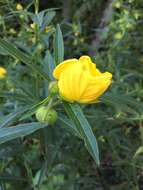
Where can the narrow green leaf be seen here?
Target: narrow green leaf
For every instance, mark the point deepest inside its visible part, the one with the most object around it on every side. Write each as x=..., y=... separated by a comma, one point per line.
x=49, y=64
x=48, y=18
x=6, y=178
x=138, y=152
x=121, y=102
x=16, y=53
x=58, y=46
x=76, y=115
x=7, y=120
x=21, y=130
x=33, y=108
x=70, y=126
x=42, y=174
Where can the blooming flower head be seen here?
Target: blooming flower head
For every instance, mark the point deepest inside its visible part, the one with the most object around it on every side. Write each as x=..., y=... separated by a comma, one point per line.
x=2, y=72
x=79, y=80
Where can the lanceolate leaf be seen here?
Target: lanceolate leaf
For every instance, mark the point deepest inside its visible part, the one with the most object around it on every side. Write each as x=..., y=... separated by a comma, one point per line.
x=49, y=64
x=21, y=130
x=76, y=115
x=58, y=46
x=122, y=102
x=16, y=53
x=7, y=120
x=70, y=126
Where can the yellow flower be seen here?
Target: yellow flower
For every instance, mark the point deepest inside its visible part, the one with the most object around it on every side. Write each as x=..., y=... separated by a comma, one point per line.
x=80, y=80
x=19, y=7
x=2, y=72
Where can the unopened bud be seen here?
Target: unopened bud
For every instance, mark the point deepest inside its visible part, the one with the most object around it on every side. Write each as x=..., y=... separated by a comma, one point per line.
x=118, y=35
x=53, y=87
x=45, y=115
x=33, y=25
x=40, y=47
x=117, y=5
x=22, y=16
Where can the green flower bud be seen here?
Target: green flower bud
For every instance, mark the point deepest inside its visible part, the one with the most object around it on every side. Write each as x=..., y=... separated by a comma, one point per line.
x=117, y=5
x=118, y=35
x=47, y=116
x=40, y=47
x=53, y=88
x=21, y=16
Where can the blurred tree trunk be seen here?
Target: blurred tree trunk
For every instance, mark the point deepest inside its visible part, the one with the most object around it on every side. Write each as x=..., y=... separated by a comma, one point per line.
x=67, y=9
x=106, y=17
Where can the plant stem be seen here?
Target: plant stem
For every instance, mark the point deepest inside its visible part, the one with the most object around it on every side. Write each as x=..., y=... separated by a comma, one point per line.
x=36, y=6
x=50, y=103
x=102, y=180
x=141, y=132
x=37, y=38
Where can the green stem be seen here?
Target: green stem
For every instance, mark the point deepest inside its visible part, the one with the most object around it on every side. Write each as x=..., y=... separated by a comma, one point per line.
x=37, y=39
x=102, y=180
x=141, y=132
x=50, y=103
x=36, y=6
x=135, y=176
x=56, y=103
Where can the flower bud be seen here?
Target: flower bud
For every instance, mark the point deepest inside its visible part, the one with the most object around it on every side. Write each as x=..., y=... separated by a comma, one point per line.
x=45, y=115
x=12, y=31
x=22, y=16
x=19, y=7
x=53, y=88
x=118, y=35
x=117, y=5
x=33, y=25
x=40, y=47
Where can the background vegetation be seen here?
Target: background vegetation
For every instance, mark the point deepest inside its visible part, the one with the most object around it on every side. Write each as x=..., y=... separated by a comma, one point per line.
x=53, y=158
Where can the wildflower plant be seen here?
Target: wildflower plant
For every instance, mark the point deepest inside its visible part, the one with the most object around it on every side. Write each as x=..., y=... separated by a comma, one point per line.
x=44, y=110
x=68, y=119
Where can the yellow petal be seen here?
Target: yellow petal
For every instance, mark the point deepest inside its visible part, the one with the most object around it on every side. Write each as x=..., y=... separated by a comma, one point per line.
x=85, y=59
x=96, y=87
x=63, y=88
x=87, y=64
x=62, y=66
x=73, y=81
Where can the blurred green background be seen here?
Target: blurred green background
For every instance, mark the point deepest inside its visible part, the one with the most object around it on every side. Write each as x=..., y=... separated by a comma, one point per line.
x=111, y=32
